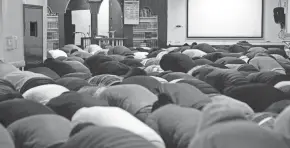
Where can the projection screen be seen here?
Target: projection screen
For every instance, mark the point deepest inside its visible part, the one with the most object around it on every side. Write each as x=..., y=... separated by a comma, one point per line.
x=224, y=18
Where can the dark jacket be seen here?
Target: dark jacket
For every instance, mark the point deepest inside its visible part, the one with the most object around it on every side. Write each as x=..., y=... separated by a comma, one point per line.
x=176, y=125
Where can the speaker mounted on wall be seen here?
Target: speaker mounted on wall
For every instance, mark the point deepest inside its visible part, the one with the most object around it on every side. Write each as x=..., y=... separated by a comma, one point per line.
x=279, y=16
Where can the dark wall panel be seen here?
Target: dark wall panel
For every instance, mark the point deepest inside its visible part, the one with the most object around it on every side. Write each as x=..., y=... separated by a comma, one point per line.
x=158, y=7
x=61, y=29
x=116, y=18
x=69, y=35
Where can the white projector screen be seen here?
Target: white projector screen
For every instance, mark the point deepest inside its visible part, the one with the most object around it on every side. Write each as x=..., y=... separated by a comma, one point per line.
x=225, y=18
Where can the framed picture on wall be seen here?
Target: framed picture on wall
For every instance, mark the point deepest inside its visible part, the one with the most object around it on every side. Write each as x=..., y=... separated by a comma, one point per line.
x=131, y=12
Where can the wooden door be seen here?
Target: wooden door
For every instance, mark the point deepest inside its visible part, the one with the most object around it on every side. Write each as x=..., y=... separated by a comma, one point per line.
x=33, y=34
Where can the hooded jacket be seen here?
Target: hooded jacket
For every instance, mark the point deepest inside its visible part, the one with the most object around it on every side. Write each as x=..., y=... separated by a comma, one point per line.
x=258, y=96
x=95, y=137
x=43, y=94
x=229, y=60
x=5, y=138
x=282, y=124
x=145, y=81
x=82, y=54
x=225, y=100
x=113, y=68
x=216, y=131
x=151, y=61
x=120, y=50
x=284, y=62
x=221, y=79
x=45, y=71
x=192, y=53
x=68, y=103
x=119, y=118
x=58, y=66
x=117, y=57
x=81, y=75
x=57, y=53
x=176, y=75
x=94, y=61
x=69, y=47
x=78, y=66
x=176, y=62
x=213, y=56
x=185, y=95
x=251, y=53
x=201, y=85
x=202, y=61
x=236, y=49
x=278, y=106
x=266, y=63
x=132, y=63
x=40, y=131
x=19, y=78
x=267, y=77
x=73, y=58
x=204, y=47
x=6, y=68
x=25, y=108
x=130, y=97
x=105, y=80
x=161, y=80
x=7, y=91
x=176, y=125
x=71, y=83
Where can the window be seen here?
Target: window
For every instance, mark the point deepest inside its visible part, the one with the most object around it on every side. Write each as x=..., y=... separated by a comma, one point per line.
x=33, y=29
x=225, y=19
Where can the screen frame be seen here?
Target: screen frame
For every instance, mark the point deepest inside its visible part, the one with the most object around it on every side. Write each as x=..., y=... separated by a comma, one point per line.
x=227, y=37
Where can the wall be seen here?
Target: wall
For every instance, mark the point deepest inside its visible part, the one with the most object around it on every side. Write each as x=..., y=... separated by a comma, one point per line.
x=42, y=3
x=11, y=22
x=12, y=25
x=1, y=32
x=177, y=16
x=116, y=18
x=103, y=21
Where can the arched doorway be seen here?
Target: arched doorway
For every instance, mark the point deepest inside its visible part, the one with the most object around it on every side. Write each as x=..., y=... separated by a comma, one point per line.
x=81, y=19
x=65, y=7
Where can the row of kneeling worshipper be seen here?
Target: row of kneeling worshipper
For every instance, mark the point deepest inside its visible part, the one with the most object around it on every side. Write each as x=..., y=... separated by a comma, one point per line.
x=186, y=97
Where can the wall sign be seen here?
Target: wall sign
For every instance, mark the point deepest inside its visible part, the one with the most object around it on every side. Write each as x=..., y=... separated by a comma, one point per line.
x=131, y=12
x=11, y=43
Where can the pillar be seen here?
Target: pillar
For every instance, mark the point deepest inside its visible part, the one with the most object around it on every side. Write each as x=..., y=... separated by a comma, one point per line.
x=61, y=29
x=94, y=8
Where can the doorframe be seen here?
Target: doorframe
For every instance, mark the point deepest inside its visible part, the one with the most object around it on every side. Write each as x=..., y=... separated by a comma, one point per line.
x=1, y=31
x=24, y=25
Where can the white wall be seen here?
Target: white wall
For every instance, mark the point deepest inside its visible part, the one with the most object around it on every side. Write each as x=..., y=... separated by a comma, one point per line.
x=12, y=25
x=177, y=16
x=103, y=23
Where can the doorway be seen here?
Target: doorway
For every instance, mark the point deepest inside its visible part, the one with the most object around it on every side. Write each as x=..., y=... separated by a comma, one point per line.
x=33, y=35
x=1, y=32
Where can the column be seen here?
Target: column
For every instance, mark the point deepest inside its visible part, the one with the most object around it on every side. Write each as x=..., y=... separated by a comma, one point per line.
x=94, y=8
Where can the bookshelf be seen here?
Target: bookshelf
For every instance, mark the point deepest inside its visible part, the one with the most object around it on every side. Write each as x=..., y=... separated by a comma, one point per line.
x=146, y=33
x=52, y=31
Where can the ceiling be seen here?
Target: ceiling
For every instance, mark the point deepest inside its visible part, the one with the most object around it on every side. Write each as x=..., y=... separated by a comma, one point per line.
x=78, y=5
x=61, y=5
